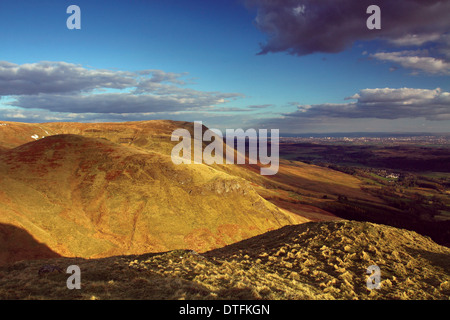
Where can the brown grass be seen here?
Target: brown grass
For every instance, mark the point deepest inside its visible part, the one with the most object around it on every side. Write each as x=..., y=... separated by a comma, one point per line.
x=308, y=261
x=91, y=197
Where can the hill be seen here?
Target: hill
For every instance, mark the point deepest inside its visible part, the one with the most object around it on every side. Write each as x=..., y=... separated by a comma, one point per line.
x=90, y=197
x=102, y=189
x=314, y=260
x=294, y=180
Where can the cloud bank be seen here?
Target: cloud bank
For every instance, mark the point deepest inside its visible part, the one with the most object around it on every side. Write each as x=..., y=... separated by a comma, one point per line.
x=60, y=91
x=58, y=77
x=384, y=103
x=66, y=87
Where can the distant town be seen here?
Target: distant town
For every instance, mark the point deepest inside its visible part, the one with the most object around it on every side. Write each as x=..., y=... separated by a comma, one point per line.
x=438, y=139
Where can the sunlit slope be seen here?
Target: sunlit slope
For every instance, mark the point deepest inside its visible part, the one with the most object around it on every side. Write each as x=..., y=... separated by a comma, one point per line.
x=155, y=135
x=145, y=134
x=14, y=134
x=91, y=197
x=293, y=181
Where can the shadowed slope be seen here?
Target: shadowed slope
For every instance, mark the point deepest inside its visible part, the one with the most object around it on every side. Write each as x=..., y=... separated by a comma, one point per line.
x=16, y=244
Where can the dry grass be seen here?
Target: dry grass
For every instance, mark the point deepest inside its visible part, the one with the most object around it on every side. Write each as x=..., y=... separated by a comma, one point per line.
x=335, y=255
x=309, y=261
x=90, y=197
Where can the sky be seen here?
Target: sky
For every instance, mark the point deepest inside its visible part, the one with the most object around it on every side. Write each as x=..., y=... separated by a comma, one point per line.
x=300, y=66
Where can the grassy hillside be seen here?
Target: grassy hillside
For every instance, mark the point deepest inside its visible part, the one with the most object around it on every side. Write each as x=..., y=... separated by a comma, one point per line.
x=91, y=197
x=98, y=189
x=325, y=260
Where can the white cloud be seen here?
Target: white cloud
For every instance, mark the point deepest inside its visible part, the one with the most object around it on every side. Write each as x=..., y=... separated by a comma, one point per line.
x=65, y=87
x=58, y=77
x=384, y=103
x=411, y=60
x=415, y=39
x=299, y=10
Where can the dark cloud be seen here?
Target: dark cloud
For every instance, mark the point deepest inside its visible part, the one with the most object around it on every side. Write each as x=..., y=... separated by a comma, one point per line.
x=302, y=27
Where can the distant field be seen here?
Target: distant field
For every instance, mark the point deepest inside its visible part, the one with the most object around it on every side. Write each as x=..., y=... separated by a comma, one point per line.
x=409, y=181
x=417, y=158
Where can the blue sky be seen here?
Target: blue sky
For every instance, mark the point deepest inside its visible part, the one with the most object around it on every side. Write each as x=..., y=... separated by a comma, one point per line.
x=198, y=60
